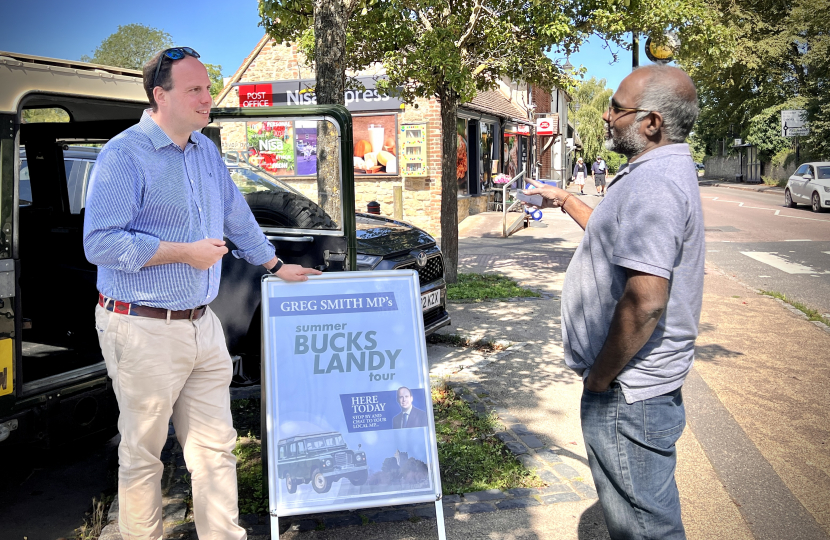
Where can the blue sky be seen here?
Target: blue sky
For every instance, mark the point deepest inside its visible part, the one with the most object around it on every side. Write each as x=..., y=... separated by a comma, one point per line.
x=223, y=32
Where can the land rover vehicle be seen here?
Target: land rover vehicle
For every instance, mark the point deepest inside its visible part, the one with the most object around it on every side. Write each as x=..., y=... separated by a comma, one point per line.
x=53, y=382
x=320, y=459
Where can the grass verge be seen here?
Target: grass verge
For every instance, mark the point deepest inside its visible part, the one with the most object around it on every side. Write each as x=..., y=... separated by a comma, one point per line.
x=811, y=314
x=471, y=457
x=94, y=519
x=480, y=287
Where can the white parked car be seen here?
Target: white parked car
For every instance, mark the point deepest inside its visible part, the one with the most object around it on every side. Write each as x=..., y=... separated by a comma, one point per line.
x=810, y=184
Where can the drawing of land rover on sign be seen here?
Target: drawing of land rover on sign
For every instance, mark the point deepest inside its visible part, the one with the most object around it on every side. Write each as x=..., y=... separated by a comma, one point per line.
x=321, y=459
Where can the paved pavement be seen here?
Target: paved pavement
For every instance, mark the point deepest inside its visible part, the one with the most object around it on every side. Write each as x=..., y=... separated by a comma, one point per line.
x=754, y=461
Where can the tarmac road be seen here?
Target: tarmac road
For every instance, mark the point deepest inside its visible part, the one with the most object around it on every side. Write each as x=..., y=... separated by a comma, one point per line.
x=44, y=495
x=753, y=237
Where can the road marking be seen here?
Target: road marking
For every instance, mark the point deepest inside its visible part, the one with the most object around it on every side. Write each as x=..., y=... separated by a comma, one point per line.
x=718, y=251
x=827, y=252
x=779, y=263
x=764, y=276
x=799, y=240
x=777, y=212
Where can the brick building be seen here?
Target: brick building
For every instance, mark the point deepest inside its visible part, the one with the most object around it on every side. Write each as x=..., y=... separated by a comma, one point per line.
x=495, y=133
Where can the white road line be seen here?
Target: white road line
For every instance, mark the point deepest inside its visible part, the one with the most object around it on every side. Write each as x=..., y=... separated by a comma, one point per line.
x=777, y=212
x=779, y=263
x=799, y=240
x=827, y=252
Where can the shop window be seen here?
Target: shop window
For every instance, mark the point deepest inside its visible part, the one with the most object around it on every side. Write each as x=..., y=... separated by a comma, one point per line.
x=271, y=147
x=462, y=164
x=487, y=157
x=375, y=144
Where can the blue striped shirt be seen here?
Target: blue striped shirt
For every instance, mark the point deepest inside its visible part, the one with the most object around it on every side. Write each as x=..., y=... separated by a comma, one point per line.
x=145, y=189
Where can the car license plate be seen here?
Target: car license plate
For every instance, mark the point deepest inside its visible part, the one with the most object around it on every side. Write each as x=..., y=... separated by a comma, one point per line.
x=430, y=299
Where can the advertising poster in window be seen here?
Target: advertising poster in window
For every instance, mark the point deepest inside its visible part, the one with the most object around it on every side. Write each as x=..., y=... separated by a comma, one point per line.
x=462, y=163
x=375, y=144
x=271, y=146
x=348, y=401
x=305, y=133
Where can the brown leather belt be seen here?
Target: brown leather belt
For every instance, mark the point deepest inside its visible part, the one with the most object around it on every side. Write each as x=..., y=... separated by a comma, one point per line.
x=116, y=306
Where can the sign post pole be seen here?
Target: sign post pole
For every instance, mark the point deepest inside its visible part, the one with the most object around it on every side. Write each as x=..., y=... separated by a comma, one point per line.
x=439, y=516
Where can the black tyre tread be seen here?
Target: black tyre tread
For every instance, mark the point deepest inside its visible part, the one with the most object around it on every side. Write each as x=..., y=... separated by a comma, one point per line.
x=282, y=208
x=816, y=198
x=792, y=203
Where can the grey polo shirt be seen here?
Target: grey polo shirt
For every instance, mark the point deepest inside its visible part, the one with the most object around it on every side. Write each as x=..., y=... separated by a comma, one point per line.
x=650, y=221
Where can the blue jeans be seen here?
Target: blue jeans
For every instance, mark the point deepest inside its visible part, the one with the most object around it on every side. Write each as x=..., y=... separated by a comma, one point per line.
x=632, y=457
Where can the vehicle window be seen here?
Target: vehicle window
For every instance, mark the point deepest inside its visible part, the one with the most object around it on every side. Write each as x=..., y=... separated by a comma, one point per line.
x=282, y=452
x=274, y=164
x=316, y=444
x=823, y=172
x=77, y=176
x=292, y=450
x=329, y=441
x=338, y=440
x=25, y=191
x=47, y=115
x=801, y=170
x=812, y=171
x=301, y=447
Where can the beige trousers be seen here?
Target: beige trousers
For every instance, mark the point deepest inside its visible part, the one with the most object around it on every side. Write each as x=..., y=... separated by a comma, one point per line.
x=180, y=369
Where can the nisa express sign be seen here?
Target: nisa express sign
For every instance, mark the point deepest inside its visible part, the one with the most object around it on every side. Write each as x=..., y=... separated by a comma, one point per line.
x=301, y=92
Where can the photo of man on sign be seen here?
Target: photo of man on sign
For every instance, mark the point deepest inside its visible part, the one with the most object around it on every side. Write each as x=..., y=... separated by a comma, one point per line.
x=409, y=417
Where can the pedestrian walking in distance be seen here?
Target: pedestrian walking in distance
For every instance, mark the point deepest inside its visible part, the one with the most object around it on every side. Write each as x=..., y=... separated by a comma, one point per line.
x=631, y=302
x=159, y=201
x=598, y=169
x=579, y=175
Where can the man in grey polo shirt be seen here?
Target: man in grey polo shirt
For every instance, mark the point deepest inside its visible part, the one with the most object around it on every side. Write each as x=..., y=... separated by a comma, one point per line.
x=631, y=302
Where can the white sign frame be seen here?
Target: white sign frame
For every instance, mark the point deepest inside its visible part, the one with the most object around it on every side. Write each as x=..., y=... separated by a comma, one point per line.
x=794, y=123
x=346, y=283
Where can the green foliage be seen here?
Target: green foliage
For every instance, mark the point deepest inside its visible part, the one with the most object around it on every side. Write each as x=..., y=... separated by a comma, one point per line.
x=40, y=116
x=765, y=131
x=471, y=457
x=812, y=314
x=480, y=287
x=593, y=99
x=778, y=59
x=252, y=498
x=216, y=81
x=130, y=47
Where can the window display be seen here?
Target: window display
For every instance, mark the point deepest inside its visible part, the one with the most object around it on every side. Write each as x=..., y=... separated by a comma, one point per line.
x=375, y=144
x=462, y=164
x=487, y=156
x=270, y=148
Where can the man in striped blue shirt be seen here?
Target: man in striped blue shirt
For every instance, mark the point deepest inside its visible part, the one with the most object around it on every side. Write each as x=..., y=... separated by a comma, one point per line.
x=159, y=204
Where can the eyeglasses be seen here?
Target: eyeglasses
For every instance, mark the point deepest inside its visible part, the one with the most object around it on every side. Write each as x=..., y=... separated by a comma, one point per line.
x=173, y=53
x=626, y=110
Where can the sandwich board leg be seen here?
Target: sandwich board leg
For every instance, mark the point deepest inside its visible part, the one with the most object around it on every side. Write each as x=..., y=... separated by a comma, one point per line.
x=439, y=517
x=275, y=526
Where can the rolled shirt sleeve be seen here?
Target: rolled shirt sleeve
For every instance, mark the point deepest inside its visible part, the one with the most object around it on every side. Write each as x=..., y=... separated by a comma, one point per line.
x=240, y=225
x=114, y=198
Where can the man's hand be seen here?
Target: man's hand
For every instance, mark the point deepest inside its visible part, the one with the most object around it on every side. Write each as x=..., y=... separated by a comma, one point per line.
x=205, y=253
x=551, y=196
x=594, y=386
x=295, y=272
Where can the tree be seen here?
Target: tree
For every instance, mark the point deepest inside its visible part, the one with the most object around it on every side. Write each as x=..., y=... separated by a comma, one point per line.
x=593, y=99
x=451, y=50
x=319, y=25
x=133, y=45
x=130, y=47
x=778, y=60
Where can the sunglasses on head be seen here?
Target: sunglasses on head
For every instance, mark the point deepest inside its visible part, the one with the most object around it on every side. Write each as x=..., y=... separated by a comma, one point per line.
x=173, y=53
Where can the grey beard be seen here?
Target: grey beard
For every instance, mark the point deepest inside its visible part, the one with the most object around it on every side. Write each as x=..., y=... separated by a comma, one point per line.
x=627, y=142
